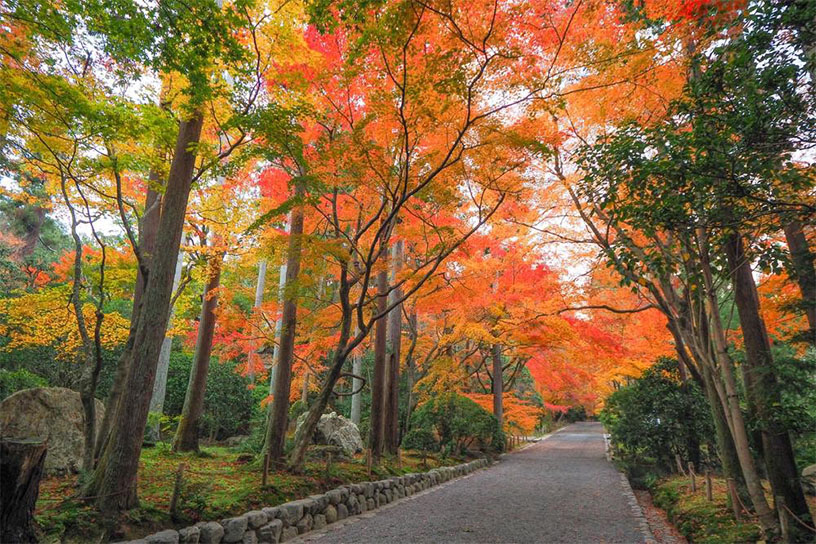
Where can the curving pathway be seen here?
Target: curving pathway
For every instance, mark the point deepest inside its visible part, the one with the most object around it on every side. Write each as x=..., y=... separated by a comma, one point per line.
x=561, y=489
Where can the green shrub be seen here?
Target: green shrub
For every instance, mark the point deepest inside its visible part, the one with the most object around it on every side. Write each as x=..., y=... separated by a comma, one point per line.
x=575, y=413
x=421, y=439
x=458, y=423
x=658, y=416
x=12, y=381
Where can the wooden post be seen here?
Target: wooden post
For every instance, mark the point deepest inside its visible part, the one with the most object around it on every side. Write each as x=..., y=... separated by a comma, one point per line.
x=735, y=500
x=709, y=491
x=177, y=490
x=21, y=467
x=693, y=477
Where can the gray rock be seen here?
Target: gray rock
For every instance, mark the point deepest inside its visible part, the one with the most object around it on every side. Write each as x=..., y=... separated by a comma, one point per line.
x=49, y=413
x=234, y=529
x=321, y=502
x=250, y=538
x=256, y=519
x=288, y=533
x=210, y=532
x=342, y=511
x=273, y=512
x=271, y=532
x=319, y=522
x=305, y=524
x=335, y=496
x=370, y=504
x=331, y=514
x=291, y=512
x=189, y=535
x=163, y=537
x=236, y=440
x=809, y=479
x=335, y=430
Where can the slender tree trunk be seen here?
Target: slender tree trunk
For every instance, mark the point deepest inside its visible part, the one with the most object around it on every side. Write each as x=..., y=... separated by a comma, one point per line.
x=304, y=389
x=392, y=435
x=729, y=396
x=761, y=384
x=803, y=272
x=378, y=387
x=279, y=416
x=279, y=320
x=187, y=432
x=113, y=482
x=498, y=384
x=260, y=285
x=357, y=386
x=411, y=366
x=160, y=385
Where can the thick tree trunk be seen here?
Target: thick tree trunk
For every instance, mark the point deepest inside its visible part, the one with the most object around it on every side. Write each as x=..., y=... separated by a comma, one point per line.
x=148, y=230
x=392, y=435
x=187, y=432
x=113, y=482
x=279, y=415
x=378, y=387
x=21, y=467
x=160, y=385
x=498, y=384
x=761, y=385
x=803, y=272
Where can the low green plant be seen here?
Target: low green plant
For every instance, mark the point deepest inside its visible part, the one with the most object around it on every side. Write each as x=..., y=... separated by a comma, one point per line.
x=458, y=423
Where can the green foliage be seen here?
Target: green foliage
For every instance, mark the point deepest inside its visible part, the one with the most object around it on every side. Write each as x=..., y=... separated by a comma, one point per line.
x=17, y=380
x=228, y=402
x=658, y=416
x=421, y=439
x=575, y=413
x=459, y=423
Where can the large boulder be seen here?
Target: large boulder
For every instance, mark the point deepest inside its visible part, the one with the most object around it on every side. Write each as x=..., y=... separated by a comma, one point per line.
x=335, y=430
x=53, y=414
x=809, y=479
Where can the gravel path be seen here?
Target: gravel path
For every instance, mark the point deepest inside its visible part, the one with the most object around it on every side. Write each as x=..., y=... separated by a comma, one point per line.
x=561, y=489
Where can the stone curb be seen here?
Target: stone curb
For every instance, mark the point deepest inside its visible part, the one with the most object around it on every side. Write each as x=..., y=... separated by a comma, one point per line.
x=287, y=521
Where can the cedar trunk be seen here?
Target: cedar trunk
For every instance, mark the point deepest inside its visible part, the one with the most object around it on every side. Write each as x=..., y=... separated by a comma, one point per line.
x=498, y=384
x=113, y=482
x=279, y=415
x=378, y=387
x=187, y=433
x=392, y=427
x=761, y=384
x=21, y=467
x=804, y=272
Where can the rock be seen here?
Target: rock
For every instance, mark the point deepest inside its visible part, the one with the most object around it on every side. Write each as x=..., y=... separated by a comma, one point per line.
x=189, y=535
x=370, y=504
x=273, y=512
x=320, y=503
x=335, y=496
x=319, y=522
x=342, y=511
x=271, y=532
x=291, y=512
x=236, y=440
x=288, y=534
x=331, y=514
x=234, y=528
x=305, y=524
x=163, y=537
x=53, y=414
x=808, y=479
x=256, y=519
x=250, y=538
x=336, y=430
x=211, y=532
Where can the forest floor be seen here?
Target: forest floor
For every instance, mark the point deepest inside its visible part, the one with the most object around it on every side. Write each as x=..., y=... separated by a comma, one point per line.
x=218, y=482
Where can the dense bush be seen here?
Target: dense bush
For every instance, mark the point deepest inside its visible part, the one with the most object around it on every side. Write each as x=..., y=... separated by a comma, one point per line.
x=458, y=423
x=16, y=380
x=658, y=416
x=228, y=402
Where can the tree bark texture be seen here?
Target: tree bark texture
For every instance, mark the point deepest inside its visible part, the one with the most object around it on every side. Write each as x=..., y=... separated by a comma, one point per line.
x=392, y=426
x=804, y=272
x=21, y=467
x=380, y=369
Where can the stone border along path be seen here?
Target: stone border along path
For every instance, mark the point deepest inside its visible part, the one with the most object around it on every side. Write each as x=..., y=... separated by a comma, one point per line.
x=289, y=520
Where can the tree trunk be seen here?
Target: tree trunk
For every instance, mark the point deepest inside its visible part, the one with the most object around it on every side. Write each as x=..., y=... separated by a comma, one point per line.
x=279, y=320
x=411, y=366
x=279, y=415
x=498, y=384
x=187, y=432
x=21, y=467
x=253, y=360
x=160, y=385
x=377, y=432
x=803, y=272
x=357, y=386
x=761, y=385
x=148, y=231
x=113, y=482
x=392, y=436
